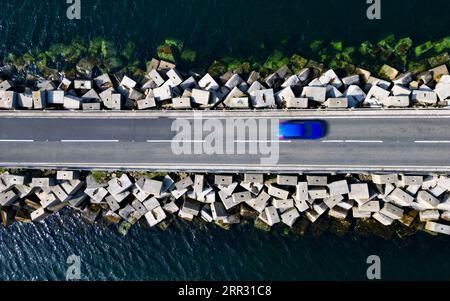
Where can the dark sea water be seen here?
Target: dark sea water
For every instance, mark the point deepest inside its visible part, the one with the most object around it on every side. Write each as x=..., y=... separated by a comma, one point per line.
x=184, y=252
x=217, y=29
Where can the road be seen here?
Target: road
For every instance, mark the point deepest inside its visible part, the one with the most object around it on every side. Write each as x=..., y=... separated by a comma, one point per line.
x=356, y=142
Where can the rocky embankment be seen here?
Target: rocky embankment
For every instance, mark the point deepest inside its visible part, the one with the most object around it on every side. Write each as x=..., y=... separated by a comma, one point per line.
x=380, y=204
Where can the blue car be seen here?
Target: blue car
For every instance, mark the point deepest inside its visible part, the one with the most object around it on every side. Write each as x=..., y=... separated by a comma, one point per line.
x=302, y=130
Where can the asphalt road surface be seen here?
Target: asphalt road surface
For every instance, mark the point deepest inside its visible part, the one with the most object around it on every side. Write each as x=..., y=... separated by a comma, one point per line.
x=354, y=143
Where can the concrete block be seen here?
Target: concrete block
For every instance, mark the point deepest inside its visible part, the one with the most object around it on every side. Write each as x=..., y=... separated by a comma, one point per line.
x=283, y=205
x=72, y=102
x=360, y=214
x=272, y=215
x=291, y=81
x=383, y=219
x=302, y=191
x=424, y=97
x=316, y=193
x=260, y=202
x=317, y=94
x=355, y=96
x=55, y=97
x=411, y=180
x=39, y=215
x=278, y=192
x=112, y=203
x=263, y=98
x=297, y=103
x=241, y=197
x=128, y=82
x=401, y=198
x=284, y=95
x=218, y=211
x=200, y=97
x=429, y=215
x=96, y=194
x=289, y=217
x=397, y=101
x=82, y=84
x=392, y=211
x=351, y=80
x=8, y=198
x=376, y=96
x=337, y=103
x=162, y=93
x=155, y=216
x=254, y=178
x=427, y=200
x=39, y=99
x=287, y=180
x=370, y=206
x=438, y=228
x=333, y=201
x=172, y=208
x=383, y=179
x=239, y=103
x=181, y=103
x=151, y=204
x=234, y=81
x=359, y=191
x=208, y=83
x=331, y=78
x=147, y=103
x=338, y=213
x=24, y=101
x=154, y=187
x=338, y=188
x=8, y=99
x=192, y=207
x=317, y=180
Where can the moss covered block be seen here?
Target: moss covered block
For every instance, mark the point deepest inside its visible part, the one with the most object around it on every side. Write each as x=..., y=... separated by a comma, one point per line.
x=423, y=48
x=438, y=60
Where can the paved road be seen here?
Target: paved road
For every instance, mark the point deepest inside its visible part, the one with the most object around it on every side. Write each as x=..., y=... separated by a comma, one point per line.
x=355, y=142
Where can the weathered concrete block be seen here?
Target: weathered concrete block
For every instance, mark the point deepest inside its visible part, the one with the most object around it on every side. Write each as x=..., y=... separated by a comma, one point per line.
x=317, y=180
x=181, y=103
x=429, y=215
x=260, y=202
x=289, y=217
x=359, y=191
x=337, y=103
x=317, y=94
x=39, y=215
x=263, y=98
x=272, y=215
x=297, y=103
x=338, y=188
x=438, y=228
x=287, y=180
x=278, y=192
x=392, y=211
x=427, y=200
x=383, y=219
x=200, y=97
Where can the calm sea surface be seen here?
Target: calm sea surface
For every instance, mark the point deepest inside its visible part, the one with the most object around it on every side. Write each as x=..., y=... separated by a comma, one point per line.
x=216, y=29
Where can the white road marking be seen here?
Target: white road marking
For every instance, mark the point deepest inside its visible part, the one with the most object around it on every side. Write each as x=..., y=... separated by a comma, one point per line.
x=25, y=141
x=433, y=142
x=353, y=141
x=89, y=141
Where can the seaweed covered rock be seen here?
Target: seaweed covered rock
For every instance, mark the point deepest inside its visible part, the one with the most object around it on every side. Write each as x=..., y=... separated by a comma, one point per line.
x=297, y=63
x=423, y=48
x=170, y=50
x=217, y=69
x=260, y=225
x=438, y=60
x=301, y=226
x=367, y=227
x=189, y=55
x=340, y=227
x=276, y=61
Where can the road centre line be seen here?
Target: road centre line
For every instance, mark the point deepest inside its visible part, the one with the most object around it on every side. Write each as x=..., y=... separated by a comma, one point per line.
x=432, y=142
x=89, y=141
x=24, y=141
x=353, y=141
